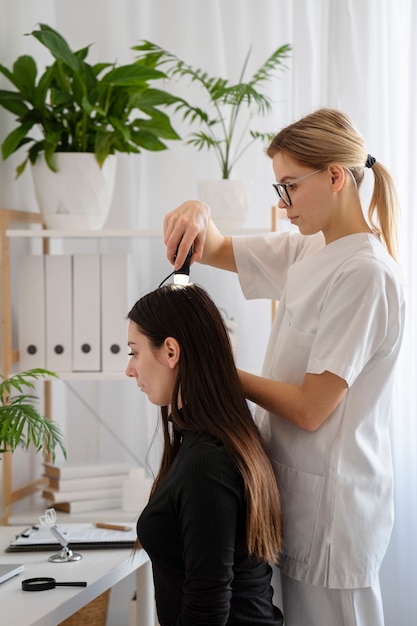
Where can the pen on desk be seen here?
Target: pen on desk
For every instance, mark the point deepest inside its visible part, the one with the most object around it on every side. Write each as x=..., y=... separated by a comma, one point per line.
x=27, y=532
x=113, y=526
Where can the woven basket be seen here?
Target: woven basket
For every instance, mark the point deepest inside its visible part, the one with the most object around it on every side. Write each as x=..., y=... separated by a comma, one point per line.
x=93, y=614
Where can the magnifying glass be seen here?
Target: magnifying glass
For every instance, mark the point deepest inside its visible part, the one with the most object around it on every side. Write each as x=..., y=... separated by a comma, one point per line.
x=43, y=583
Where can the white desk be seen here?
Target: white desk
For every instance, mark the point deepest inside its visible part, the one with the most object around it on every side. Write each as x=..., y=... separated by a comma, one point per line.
x=100, y=568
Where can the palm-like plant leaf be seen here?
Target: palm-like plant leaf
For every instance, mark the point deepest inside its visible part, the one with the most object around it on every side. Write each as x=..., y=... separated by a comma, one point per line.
x=225, y=102
x=21, y=424
x=271, y=64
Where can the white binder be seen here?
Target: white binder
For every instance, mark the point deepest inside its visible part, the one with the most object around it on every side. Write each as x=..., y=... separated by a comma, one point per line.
x=31, y=311
x=86, y=313
x=114, y=309
x=58, y=289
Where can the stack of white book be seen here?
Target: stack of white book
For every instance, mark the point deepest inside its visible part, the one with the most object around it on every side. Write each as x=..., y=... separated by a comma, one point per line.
x=76, y=488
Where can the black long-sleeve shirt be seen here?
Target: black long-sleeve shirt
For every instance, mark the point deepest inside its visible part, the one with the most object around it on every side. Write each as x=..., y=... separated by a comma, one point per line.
x=194, y=530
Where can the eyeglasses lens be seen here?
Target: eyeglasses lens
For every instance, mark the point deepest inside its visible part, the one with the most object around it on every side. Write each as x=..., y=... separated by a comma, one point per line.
x=282, y=193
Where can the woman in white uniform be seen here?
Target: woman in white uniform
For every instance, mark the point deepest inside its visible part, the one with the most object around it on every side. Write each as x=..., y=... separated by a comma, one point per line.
x=325, y=392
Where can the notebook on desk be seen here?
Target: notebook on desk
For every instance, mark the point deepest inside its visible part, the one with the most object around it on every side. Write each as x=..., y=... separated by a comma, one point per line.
x=7, y=570
x=83, y=536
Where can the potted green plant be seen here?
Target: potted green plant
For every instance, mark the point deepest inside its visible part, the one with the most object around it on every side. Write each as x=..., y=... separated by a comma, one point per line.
x=224, y=125
x=100, y=110
x=21, y=424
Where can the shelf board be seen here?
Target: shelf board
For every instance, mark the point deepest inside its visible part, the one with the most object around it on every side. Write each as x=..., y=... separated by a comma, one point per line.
x=108, y=234
x=90, y=376
x=81, y=234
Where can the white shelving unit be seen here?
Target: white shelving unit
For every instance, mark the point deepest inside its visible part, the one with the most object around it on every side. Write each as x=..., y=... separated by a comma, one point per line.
x=33, y=229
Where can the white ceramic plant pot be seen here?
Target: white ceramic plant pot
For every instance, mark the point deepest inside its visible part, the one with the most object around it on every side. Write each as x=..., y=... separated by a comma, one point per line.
x=228, y=200
x=78, y=196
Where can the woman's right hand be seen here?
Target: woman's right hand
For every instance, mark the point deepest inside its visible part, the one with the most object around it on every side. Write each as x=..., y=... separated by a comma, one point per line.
x=184, y=227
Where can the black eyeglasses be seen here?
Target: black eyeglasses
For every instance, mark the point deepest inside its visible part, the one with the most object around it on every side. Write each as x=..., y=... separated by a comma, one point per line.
x=282, y=188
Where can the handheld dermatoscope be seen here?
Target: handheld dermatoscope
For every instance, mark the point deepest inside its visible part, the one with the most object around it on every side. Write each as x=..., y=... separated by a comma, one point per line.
x=182, y=276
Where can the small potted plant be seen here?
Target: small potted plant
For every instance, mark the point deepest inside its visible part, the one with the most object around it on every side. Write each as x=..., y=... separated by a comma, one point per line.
x=21, y=424
x=224, y=125
x=96, y=110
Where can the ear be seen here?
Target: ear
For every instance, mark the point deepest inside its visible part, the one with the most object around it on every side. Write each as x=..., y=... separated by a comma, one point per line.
x=172, y=351
x=337, y=176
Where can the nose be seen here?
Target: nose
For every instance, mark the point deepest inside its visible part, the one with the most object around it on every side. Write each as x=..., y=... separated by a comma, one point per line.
x=129, y=371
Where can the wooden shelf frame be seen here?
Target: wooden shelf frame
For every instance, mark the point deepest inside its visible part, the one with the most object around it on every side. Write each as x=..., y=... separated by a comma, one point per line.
x=8, y=217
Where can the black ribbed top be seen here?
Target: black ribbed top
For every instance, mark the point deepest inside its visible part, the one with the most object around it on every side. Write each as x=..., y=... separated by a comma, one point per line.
x=194, y=530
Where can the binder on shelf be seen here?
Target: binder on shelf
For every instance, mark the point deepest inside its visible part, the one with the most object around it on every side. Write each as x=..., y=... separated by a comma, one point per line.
x=85, y=506
x=54, y=496
x=86, y=313
x=31, y=312
x=87, y=483
x=58, y=291
x=65, y=470
x=114, y=308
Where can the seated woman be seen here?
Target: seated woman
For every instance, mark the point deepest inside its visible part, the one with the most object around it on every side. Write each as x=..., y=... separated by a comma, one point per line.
x=212, y=524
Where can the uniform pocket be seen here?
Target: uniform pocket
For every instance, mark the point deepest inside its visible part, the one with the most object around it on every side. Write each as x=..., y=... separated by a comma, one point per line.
x=300, y=495
x=291, y=356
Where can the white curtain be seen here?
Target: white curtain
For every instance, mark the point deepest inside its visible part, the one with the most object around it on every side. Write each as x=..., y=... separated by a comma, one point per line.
x=357, y=55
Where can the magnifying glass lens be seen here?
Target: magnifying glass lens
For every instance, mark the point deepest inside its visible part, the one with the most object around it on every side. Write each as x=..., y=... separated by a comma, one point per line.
x=38, y=584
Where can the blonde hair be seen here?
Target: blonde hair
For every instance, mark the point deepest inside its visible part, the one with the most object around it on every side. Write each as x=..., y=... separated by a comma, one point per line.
x=328, y=136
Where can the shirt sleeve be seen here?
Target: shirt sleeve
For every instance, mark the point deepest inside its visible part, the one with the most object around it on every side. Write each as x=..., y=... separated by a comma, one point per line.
x=209, y=505
x=357, y=321
x=263, y=260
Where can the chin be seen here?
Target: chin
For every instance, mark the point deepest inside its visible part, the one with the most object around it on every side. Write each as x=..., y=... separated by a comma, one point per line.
x=158, y=402
x=308, y=231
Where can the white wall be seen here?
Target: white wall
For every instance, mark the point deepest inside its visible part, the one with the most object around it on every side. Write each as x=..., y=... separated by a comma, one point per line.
x=357, y=55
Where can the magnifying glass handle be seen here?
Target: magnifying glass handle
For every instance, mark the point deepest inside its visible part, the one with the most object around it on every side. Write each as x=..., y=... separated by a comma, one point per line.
x=69, y=584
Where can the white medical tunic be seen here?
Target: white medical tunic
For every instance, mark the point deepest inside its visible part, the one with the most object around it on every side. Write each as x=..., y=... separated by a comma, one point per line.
x=341, y=309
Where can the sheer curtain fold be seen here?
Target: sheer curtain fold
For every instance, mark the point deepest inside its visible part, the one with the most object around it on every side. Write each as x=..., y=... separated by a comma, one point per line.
x=355, y=55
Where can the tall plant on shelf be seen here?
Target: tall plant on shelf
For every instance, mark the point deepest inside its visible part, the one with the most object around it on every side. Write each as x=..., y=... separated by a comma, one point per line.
x=21, y=424
x=78, y=107
x=223, y=125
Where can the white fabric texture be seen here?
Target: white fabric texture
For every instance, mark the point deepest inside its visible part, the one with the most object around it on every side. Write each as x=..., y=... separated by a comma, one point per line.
x=346, y=607
x=355, y=55
x=331, y=515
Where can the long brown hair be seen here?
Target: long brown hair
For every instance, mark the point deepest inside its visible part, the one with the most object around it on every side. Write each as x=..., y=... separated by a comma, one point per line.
x=212, y=401
x=328, y=136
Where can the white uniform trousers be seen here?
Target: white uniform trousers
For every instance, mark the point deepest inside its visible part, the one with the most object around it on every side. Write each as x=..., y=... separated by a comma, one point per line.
x=309, y=605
